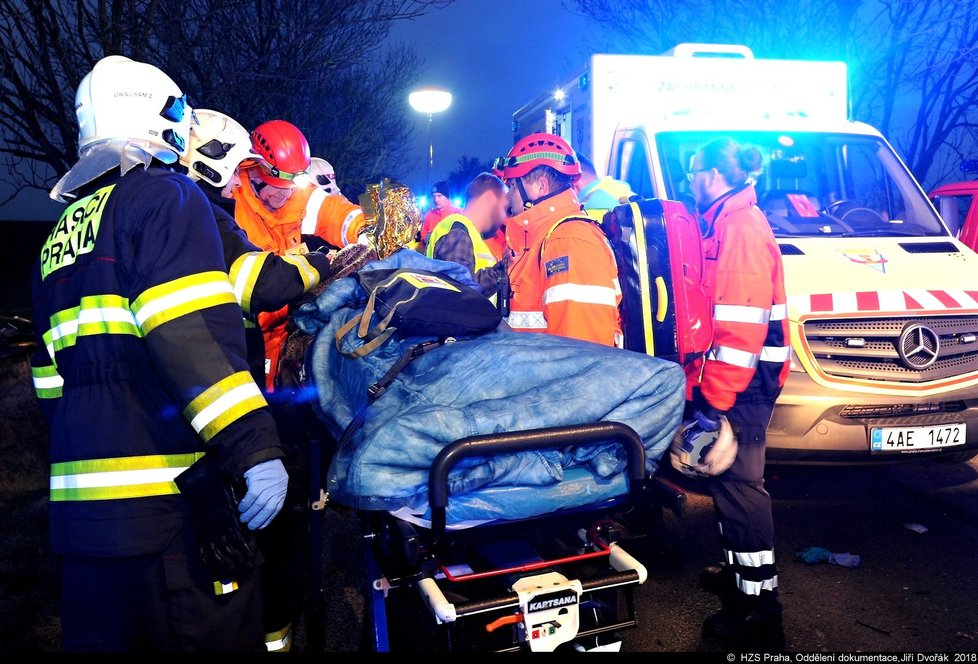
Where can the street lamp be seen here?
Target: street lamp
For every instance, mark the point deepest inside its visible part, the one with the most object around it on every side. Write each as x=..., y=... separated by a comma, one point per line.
x=430, y=100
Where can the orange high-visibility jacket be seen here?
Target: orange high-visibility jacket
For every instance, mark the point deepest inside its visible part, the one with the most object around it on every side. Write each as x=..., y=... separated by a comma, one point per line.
x=744, y=276
x=563, y=277
x=309, y=211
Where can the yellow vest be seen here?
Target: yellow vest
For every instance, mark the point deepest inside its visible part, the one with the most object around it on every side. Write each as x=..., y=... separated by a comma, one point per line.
x=483, y=254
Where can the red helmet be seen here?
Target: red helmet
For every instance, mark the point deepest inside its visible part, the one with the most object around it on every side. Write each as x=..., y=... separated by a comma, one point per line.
x=541, y=150
x=286, y=150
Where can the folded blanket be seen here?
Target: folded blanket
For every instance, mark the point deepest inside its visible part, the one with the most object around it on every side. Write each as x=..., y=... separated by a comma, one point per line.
x=503, y=381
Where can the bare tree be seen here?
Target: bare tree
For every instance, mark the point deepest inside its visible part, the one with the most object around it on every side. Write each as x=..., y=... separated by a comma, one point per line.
x=912, y=63
x=317, y=63
x=466, y=168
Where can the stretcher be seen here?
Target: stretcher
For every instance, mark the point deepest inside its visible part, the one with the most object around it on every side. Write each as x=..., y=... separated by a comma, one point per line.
x=559, y=581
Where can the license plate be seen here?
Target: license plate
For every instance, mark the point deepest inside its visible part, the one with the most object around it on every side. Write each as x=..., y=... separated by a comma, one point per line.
x=909, y=439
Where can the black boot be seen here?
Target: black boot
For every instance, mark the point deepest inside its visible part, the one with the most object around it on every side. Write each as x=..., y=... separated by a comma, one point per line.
x=718, y=579
x=748, y=620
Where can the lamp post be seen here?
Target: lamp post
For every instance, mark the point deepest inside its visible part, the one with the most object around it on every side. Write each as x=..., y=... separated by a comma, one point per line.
x=430, y=100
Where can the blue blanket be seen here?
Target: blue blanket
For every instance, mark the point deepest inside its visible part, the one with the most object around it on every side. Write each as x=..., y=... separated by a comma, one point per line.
x=503, y=381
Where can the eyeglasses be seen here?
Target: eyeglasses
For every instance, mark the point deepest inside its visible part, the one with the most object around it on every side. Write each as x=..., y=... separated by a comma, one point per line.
x=691, y=173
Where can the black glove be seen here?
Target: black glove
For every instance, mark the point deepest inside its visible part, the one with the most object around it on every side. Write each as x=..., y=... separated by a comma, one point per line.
x=227, y=547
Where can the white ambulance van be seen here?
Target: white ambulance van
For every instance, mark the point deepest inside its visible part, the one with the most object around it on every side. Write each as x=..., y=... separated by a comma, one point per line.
x=883, y=300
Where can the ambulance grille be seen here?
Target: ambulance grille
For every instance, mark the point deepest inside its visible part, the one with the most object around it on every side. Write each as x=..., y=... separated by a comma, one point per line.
x=862, y=412
x=868, y=348
x=929, y=248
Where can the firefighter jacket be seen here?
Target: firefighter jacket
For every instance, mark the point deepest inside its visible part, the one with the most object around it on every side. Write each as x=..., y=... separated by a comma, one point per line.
x=310, y=212
x=603, y=195
x=263, y=281
x=563, y=276
x=744, y=277
x=140, y=366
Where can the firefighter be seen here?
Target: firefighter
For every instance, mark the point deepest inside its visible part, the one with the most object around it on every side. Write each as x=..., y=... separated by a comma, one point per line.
x=563, y=275
x=282, y=210
x=741, y=376
x=263, y=281
x=325, y=176
x=459, y=237
x=598, y=195
x=140, y=370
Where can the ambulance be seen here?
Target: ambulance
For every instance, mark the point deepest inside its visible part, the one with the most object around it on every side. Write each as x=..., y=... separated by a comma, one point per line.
x=883, y=299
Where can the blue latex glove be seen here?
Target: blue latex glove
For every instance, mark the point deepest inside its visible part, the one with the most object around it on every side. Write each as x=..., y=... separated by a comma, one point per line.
x=708, y=418
x=814, y=554
x=844, y=559
x=267, y=483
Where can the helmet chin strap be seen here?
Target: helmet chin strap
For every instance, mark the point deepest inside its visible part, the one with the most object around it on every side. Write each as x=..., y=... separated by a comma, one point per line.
x=527, y=203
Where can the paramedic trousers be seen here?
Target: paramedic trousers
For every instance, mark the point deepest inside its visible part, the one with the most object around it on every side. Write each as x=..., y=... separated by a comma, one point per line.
x=743, y=509
x=162, y=602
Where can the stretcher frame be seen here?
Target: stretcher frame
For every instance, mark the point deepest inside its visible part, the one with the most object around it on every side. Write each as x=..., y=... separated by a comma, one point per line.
x=489, y=588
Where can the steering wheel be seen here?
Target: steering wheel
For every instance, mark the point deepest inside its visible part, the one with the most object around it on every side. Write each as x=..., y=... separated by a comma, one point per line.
x=860, y=210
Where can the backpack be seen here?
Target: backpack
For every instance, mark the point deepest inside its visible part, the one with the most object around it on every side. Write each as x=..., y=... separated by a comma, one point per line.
x=416, y=303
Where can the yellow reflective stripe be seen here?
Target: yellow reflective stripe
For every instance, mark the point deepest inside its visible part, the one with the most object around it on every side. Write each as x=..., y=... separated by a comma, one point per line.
x=47, y=382
x=223, y=403
x=223, y=588
x=279, y=641
x=310, y=276
x=244, y=274
x=119, y=477
x=95, y=314
x=166, y=302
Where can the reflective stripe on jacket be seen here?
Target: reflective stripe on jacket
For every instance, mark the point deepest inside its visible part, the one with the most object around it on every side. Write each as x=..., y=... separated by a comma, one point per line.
x=563, y=277
x=744, y=276
x=140, y=365
x=308, y=211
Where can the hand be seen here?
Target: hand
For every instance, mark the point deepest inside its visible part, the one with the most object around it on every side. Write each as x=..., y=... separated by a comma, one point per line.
x=267, y=483
x=708, y=418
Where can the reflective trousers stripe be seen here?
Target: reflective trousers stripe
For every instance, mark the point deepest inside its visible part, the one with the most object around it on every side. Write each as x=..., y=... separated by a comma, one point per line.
x=750, y=558
x=755, y=587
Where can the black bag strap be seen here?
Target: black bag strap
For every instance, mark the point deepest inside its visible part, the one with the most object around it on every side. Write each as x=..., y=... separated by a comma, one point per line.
x=377, y=390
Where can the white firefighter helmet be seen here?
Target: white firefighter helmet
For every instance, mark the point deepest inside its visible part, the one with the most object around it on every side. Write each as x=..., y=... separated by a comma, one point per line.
x=218, y=144
x=699, y=453
x=324, y=176
x=121, y=99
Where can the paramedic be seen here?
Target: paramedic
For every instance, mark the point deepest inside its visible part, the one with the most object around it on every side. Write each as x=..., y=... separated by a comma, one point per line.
x=563, y=276
x=599, y=195
x=262, y=280
x=277, y=203
x=741, y=377
x=140, y=370
x=441, y=207
x=459, y=237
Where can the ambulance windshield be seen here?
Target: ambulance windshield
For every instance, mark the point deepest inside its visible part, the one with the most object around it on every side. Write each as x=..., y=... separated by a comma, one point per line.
x=816, y=184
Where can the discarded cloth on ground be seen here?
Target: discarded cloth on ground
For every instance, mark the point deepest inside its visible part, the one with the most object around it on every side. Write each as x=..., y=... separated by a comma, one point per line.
x=503, y=381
